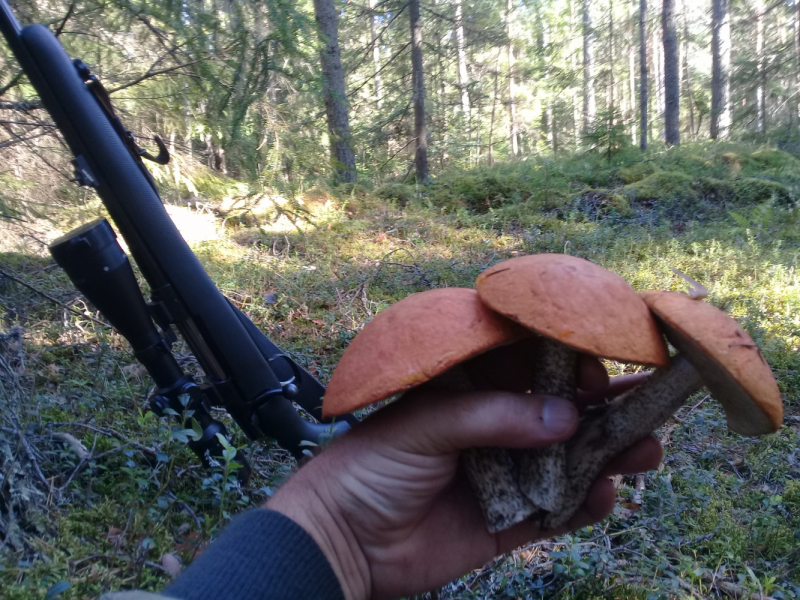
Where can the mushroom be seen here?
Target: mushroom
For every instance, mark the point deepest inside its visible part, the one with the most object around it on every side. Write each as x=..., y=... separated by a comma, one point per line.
x=426, y=338
x=575, y=306
x=713, y=351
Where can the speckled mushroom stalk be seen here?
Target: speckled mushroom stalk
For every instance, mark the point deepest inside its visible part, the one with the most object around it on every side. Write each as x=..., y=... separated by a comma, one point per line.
x=543, y=471
x=714, y=351
x=426, y=339
x=575, y=306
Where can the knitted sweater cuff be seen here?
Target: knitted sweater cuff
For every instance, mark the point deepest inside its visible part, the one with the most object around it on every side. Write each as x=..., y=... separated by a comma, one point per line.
x=262, y=555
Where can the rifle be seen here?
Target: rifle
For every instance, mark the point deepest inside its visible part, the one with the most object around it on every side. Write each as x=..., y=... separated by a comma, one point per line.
x=244, y=372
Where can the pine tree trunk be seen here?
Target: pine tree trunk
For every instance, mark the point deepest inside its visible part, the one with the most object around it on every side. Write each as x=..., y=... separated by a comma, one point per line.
x=761, y=97
x=442, y=93
x=643, y=73
x=631, y=114
x=687, y=74
x=513, y=144
x=611, y=106
x=658, y=82
x=376, y=55
x=420, y=130
x=672, y=92
x=786, y=81
x=494, y=107
x=334, y=91
x=589, y=102
x=573, y=58
x=461, y=51
x=796, y=35
x=720, y=70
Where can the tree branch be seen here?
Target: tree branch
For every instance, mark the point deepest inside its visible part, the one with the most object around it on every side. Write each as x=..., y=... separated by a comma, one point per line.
x=60, y=28
x=151, y=74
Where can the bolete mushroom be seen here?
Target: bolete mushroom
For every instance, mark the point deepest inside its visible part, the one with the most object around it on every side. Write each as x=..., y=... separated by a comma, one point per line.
x=713, y=351
x=426, y=338
x=575, y=306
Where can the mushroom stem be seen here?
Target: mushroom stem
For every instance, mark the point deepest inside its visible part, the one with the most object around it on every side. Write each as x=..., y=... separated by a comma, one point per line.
x=542, y=472
x=492, y=472
x=608, y=431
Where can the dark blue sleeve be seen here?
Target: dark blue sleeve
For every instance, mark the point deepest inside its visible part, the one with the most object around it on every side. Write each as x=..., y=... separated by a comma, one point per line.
x=262, y=555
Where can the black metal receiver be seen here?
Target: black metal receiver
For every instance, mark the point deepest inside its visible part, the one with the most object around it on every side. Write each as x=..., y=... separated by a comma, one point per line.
x=244, y=371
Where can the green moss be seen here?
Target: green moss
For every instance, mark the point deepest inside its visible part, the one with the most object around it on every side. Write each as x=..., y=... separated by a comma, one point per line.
x=774, y=159
x=551, y=197
x=401, y=193
x=774, y=540
x=662, y=185
x=791, y=495
x=750, y=190
x=636, y=172
x=714, y=189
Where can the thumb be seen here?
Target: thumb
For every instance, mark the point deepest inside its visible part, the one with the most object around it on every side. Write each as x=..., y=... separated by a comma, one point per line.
x=439, y=423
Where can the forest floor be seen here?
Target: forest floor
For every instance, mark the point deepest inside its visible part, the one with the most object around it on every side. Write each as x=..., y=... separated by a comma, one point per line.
x=97, y=494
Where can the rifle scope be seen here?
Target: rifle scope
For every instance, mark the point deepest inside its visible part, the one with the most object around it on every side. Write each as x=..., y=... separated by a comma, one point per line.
x=99, y=268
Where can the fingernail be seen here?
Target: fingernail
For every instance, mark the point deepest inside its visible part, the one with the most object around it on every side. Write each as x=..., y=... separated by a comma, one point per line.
x=558, y=415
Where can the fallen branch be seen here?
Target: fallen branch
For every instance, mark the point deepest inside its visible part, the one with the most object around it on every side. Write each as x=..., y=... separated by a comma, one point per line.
x=74, y=444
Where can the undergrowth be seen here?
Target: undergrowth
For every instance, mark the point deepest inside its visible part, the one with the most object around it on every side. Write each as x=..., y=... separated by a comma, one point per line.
x=721, y=516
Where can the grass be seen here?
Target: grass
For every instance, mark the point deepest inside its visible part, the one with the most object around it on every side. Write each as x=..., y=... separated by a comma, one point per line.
x=723, y=512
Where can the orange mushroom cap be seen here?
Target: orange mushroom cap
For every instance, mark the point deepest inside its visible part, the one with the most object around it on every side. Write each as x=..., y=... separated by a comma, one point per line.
x=413, y=341
x=575, y=302
x=726, y=357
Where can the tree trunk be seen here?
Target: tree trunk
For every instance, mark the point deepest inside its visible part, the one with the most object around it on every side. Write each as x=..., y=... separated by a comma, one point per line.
x=420, y=131
x=589, y=103
x=442, y=94
x=513, y=144
x=334, y=91
x=611, y=106
x=761, y=75
x=643, y=73
x=786, y=80
x=573, y=59
x=658, y=81
x=631, y=115
x=463, y=77
x=796, y=31
x=672, y=92
x=687, y=74
x=494, y=106
x=720, y=70
x=376, y=55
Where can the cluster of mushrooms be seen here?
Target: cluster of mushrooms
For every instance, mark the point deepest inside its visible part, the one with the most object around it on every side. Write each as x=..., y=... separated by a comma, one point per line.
x=568, y=306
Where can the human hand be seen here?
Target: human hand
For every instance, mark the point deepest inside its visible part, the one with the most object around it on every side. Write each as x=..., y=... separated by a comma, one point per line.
x=388, y=504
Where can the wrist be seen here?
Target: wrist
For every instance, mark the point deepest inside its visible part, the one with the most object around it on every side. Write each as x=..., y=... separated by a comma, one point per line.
x=308, y=503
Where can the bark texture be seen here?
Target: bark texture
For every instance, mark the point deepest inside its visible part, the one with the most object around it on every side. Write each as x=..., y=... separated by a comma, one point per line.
x=589, y=101
x=721, y=116
x=376, y=55
x=761, y=87
x=672, y=92
x=420, y=128
x=687, y=76
x=643, y=73
x=333, y=90
x=631, y=115
x=461, y=51
x=513, y=143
